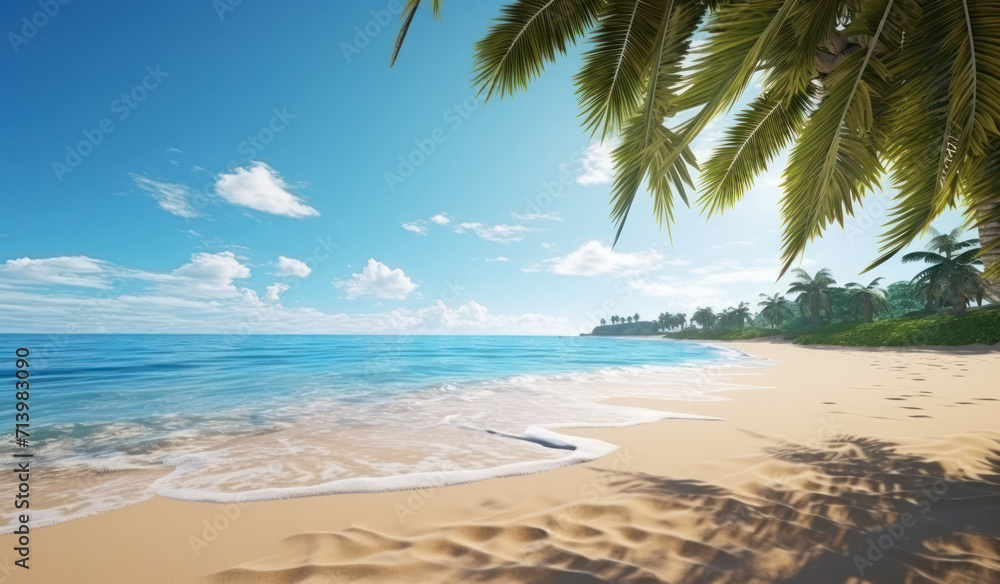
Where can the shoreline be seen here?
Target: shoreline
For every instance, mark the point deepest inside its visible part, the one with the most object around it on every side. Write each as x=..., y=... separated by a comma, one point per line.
x=835, y=399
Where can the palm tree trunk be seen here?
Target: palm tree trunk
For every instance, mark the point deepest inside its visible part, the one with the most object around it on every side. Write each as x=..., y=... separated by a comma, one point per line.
x=957, y=301
x=815, y=314
x=988, y=233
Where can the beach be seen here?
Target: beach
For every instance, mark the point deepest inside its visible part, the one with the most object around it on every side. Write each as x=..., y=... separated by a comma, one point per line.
x=834, y=465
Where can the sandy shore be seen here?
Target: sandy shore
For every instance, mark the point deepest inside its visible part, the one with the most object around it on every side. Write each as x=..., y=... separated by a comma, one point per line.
x=846, y=466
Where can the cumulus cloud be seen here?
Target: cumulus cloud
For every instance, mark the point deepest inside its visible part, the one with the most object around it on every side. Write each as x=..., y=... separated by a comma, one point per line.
x=415, y=227
x=45, y=295
x=595, y=259
x=274, y=291
x=292, y=268
x=206, y=275
x=174, y=198
x=261, y=188
x=441, y=219
x=379, y=281
x=499, y=233
x=595, y=166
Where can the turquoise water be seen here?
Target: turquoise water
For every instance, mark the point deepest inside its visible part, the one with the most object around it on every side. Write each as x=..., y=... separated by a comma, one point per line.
x=214, y=417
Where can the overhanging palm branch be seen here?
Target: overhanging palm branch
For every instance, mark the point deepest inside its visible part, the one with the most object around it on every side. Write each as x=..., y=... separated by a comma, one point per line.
x=864, y=90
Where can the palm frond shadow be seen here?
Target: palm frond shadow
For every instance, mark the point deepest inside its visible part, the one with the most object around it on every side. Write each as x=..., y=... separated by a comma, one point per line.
x=820, y=519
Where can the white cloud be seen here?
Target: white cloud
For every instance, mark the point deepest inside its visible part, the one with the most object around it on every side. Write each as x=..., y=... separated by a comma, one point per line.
x=378, y=280
x=78, y=271
x=274, y=291
x=497, y=259
x=595, y=166
x=595, y=259
x=415, y=227
x=498, y=233
x=292, y=268
x=535, y=217
x=171, y=197
x=200, y=297
x=441, y=219
x=206, y=275
x=261, y=188
x=177, y=150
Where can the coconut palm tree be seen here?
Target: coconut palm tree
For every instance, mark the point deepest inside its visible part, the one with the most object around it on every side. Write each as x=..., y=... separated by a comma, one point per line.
x=704, y=317
x=603, y=322
x=775, y=310
x=635, y=317
x=838, y=83
x=952, y=277
x=867, y=300
x=629, y=319
x=681, y=319
x=813, y=298
x=740, y=315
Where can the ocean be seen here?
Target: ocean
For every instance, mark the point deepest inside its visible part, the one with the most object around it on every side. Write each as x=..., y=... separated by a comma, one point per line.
x=116, y=419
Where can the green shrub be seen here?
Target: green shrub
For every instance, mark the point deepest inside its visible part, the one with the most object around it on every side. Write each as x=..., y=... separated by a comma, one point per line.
x=721, y=335
x=979, y=326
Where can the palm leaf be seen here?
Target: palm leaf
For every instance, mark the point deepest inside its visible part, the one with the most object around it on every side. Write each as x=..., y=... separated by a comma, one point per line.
x=964, y=109
x=646, y=143
x=611, y=82
x=758, y=134
x=527, y=35
x=407, y=16
x=833, y=164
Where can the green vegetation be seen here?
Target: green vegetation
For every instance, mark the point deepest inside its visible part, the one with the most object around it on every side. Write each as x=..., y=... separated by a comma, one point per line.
x=980, y=326
x=722, y=335
x=862, y=94
x=928, y=310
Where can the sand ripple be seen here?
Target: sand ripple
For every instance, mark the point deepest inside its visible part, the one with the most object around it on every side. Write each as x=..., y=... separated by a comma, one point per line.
x=851, y=510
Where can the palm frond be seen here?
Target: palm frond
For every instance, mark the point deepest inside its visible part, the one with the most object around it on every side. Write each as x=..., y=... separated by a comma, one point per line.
x=958, y=117
x=668, y=156
x=407, y=16
x=834, y=163
x=611, y=82
x=759, y=133
x=646, y=144
x=527, y=35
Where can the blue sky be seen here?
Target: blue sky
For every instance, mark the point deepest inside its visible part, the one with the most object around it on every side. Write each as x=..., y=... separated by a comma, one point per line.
x=258, y=167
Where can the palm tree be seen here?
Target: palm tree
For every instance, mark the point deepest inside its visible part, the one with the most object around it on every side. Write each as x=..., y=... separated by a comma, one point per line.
x=681, y=319
x=741, y=315
x=629, y=319
x=952, y=277
x=775, y=310
x=867, y=300
x=704, y=317
x=603, y=322
x=635, y=317
x=813, y=298
x=838, y=83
